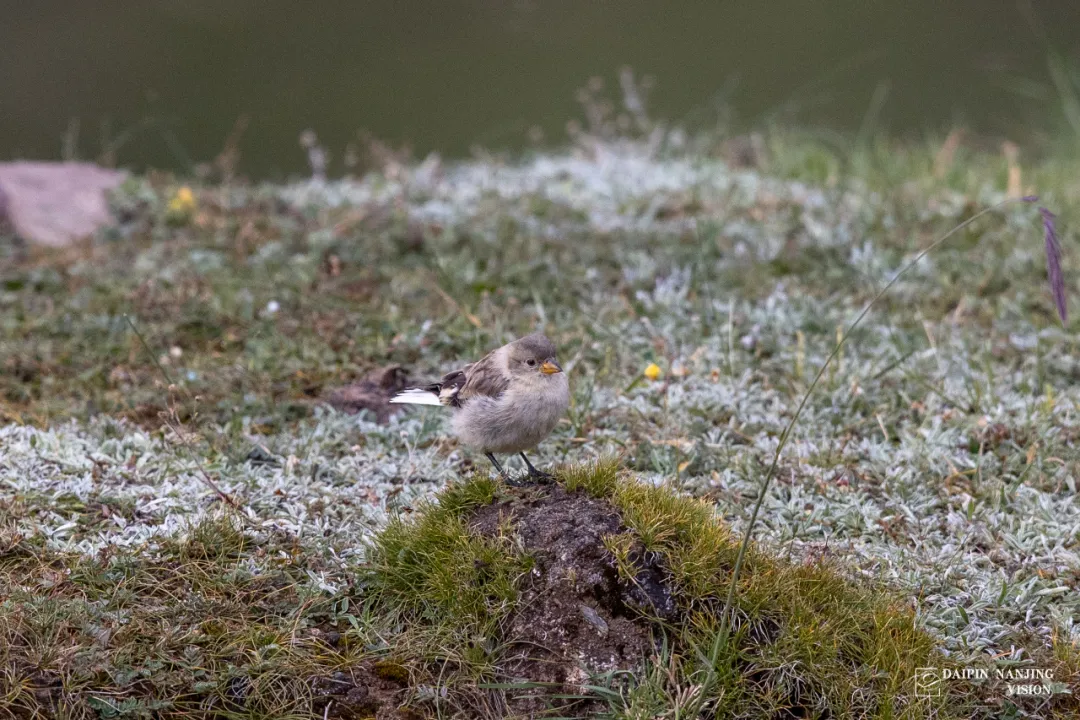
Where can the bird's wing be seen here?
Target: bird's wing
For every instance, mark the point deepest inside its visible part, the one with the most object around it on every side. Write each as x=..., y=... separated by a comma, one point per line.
x=487, y=378
x=483, y=378
x=449, y=387
x=416, y=396
x=443, y=392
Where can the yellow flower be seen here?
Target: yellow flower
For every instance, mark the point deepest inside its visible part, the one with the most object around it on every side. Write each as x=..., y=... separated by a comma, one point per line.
x=653, y=371
x=183, y=202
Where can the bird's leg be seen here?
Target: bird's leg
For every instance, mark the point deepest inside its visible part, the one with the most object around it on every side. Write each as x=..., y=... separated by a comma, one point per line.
x=502, y=473
x=498, y=467
x=533, y=472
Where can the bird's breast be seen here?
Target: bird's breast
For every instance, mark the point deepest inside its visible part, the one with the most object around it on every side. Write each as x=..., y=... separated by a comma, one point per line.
x=518, y=420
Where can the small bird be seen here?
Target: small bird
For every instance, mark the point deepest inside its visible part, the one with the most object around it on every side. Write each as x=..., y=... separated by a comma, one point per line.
x=506, y=403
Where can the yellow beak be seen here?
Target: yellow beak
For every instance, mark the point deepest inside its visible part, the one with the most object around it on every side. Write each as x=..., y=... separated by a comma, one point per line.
x=550, y=368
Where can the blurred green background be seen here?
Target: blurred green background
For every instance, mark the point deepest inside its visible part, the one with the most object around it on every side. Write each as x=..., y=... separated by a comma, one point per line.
x=162, y=83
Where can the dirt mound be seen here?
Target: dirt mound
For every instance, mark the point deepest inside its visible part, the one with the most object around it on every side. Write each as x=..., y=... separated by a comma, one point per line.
x=577, y=616
x=593, y=595
x=371, y=393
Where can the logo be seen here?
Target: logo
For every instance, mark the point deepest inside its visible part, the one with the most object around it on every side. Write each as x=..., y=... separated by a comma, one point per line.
x=1011, y=681
x=928, y=682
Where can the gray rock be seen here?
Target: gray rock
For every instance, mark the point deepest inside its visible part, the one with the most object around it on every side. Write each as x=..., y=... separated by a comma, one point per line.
x=594, y=619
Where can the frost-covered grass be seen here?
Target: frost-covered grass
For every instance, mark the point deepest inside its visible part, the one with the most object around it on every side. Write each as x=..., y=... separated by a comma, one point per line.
x=939, y=456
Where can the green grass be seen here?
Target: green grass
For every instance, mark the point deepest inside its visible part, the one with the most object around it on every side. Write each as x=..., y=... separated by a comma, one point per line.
x=936, y=463
x=68, y=349
x=192, y=630
x=196, y=629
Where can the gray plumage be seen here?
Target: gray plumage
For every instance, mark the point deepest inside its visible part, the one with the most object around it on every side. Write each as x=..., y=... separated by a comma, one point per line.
x=507, y=402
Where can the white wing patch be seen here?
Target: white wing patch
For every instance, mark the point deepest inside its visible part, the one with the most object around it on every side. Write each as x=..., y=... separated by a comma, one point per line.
x=416, y=396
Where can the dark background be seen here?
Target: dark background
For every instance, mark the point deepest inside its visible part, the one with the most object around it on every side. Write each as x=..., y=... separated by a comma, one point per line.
x=166, y=80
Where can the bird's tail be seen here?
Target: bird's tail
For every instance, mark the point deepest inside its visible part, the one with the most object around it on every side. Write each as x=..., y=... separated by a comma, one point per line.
x=417, y=396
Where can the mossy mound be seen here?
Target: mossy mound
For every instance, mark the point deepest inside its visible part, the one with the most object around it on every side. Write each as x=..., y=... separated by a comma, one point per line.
x=598, y=594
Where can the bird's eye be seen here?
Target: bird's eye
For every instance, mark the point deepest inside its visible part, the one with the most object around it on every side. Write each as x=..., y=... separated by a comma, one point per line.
x=530, y=362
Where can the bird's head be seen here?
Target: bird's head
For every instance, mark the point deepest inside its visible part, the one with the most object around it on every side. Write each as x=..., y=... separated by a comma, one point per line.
x=533, y=355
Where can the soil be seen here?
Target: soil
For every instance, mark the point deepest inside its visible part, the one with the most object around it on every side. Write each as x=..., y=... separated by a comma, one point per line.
x=576, y=617
x=371, y=393
x=371, y=690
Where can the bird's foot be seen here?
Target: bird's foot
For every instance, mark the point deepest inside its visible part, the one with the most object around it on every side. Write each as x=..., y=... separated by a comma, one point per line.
x=539, y=476
x=536, y=475
x=519, y=482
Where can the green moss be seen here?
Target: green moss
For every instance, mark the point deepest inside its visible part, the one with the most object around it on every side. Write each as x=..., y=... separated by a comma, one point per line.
x=390, y=670
x=805, y=637
x=459, y=498
x=449, y=587
x=598, y=478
